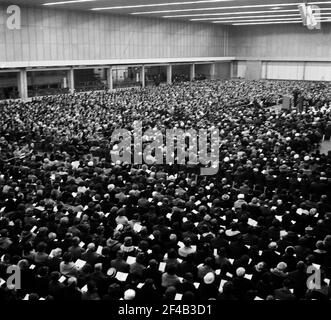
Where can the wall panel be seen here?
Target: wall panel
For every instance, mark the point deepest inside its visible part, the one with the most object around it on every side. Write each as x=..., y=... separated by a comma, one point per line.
x=49, y=34
x=292, y=41
x=318, y=71
x=241, y=69
x=285, y=70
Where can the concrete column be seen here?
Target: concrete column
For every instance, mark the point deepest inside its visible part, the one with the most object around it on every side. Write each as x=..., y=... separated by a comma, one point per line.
x=213, y=71
x=192, y=71
x=71, y=80
x=110, y=78
x=169, y=74
x=23, y=85
x=142, y=76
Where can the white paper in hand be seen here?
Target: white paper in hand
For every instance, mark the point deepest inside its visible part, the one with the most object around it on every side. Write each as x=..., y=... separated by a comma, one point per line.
x=99, y=250
x=178, y=296
x=121, y=276
x=80, y=264
x=130, y=260
x=252, y=222
x=162, y=266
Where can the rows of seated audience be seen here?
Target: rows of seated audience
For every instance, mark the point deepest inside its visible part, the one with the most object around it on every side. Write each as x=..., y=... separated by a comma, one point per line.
x=80, y=226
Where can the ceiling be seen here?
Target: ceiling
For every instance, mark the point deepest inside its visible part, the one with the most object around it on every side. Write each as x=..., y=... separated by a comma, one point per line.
x=232, y=12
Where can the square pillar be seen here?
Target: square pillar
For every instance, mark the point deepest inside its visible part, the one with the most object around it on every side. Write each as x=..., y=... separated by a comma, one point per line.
x=192, y=71
x=233, y=69
x=23, y=85
x=169, y=74
x=71, y=80
x=142, y=76
x=110, y=78
x=213, y=71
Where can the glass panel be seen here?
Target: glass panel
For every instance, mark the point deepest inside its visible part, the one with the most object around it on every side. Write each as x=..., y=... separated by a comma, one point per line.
x=44, y=83
x=180, y=73
x=8, y=85
x=124, y=77
x=90, y=79
x=155, y=75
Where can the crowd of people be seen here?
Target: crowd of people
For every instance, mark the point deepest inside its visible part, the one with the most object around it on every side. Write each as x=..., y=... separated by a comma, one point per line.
x=81, y=227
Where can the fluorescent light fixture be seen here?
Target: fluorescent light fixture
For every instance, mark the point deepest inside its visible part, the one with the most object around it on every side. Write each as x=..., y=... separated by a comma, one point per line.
x=227, y=13
x=243, y=17
x=258, y=20
x=226, y=8
x=235, y=13
x=66, y=2
x=215, y=8
x=276, y=22
x=262, y=20
x=256, y=23
x=159, y=4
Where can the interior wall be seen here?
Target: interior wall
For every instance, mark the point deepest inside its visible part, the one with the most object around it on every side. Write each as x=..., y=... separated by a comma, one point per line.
x=290, y=41
x=312, y=71
x=286, y=51
x=49, y=34
x=284, y=70
x=241, y=69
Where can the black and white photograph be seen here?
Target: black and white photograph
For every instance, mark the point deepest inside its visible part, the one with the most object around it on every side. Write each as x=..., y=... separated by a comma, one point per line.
x=165, y=157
